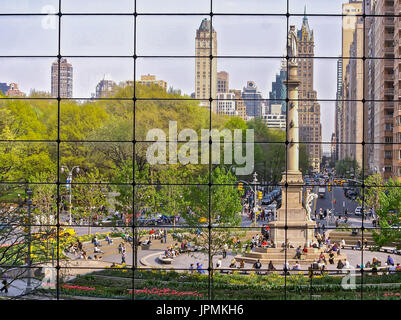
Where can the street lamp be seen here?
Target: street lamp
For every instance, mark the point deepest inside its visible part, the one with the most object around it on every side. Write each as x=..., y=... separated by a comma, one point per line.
x=255, y=181
x=69, y=180
x=29, y=262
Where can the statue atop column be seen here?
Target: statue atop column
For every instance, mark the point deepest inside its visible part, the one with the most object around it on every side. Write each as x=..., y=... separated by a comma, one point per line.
x=292, y=45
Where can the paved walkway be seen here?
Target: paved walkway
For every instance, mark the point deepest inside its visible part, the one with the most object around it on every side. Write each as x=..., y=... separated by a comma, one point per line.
x=184, y=260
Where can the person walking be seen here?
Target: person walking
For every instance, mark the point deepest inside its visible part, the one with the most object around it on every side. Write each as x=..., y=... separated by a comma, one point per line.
x=123, y=257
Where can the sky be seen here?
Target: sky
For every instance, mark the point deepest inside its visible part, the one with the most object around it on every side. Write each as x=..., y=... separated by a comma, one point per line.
x=165, y=35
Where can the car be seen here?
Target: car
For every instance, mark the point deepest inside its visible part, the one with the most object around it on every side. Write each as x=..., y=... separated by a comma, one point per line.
x=358, y=211
x=351, y=194
x=267, y=200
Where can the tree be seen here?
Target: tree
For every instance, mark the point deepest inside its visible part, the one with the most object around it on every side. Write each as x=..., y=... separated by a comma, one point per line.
x=270, y=154
x=374, y=186
x=142, y=197
x=225, y=207
x=44, y=198
x=389, y=214
x=170, y=200
x=88, y=197
x=347, y=167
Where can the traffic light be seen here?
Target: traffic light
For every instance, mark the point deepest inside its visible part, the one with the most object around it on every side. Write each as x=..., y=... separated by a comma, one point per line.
x=260, y=195
x=334, y=201
x=240, y=186
x=329, y=187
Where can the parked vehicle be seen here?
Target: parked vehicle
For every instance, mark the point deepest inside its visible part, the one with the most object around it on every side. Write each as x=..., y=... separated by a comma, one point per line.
x=358, y=211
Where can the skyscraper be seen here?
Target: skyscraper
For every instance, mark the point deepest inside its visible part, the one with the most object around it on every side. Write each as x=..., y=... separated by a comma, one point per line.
x=383, y=87
x=308, y=109
x=279, y=90
x=338, y=116
x=353, y=108
x=252, y=100
x=105, y=87
x=66, y=72
x=206, y=68
x=350, y=11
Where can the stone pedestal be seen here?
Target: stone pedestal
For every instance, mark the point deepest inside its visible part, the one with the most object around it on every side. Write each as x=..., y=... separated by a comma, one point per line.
x=292, y=224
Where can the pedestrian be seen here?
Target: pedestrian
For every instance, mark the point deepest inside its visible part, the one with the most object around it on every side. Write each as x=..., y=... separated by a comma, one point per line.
x=123, y=257
x=390, y=261
x=199, y=268
x=225, y=250
x=219, y=263
x=257, y=265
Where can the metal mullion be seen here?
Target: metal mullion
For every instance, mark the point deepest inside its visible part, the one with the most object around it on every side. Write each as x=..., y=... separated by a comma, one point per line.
x=288, y=15
x=58, y=153
x=211, y=97
x=133, y=220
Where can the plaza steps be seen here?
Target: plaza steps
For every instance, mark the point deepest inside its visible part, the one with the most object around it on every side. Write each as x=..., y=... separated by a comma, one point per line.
x=337, y=236
x=279, y=255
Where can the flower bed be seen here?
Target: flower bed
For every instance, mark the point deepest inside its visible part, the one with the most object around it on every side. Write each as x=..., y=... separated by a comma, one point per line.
x=164, y=292
x=66, y=286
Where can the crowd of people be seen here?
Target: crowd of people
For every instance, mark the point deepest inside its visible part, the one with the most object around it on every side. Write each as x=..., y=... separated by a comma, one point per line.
x=175, y=251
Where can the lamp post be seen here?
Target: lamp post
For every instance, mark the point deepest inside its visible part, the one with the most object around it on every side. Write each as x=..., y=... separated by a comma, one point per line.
x=29, y=262
x=69, y=180
x=255, y=181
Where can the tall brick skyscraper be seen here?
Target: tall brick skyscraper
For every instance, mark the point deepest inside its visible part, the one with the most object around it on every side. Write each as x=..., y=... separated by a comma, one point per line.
x=310, y=129
x=205, y=74
x=65, y=79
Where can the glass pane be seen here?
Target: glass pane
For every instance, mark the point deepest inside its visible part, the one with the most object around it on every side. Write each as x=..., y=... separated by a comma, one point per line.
x=28, y=31
x=96, y=35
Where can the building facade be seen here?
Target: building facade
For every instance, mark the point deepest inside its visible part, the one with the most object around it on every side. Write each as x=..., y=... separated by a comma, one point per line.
x=350, y=11
x=149, y=80
x=338, y=116
x=226, y=104
x=279, y=89
x=396, y=169
x=383, y=87
x=105, y=87
x=275, y=118
x=206, y=68
x=239, y=104
x=13, y=91
x=66, y=79
x=353, y=107
x=222, y=82
x=253, y=100
x=310, y=130
x=4, y=88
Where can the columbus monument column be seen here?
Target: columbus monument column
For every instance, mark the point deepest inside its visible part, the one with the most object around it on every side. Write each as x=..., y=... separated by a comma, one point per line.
x=293, y=222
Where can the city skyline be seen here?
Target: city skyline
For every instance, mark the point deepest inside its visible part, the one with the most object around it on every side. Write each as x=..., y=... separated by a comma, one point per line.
x=178, y=32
